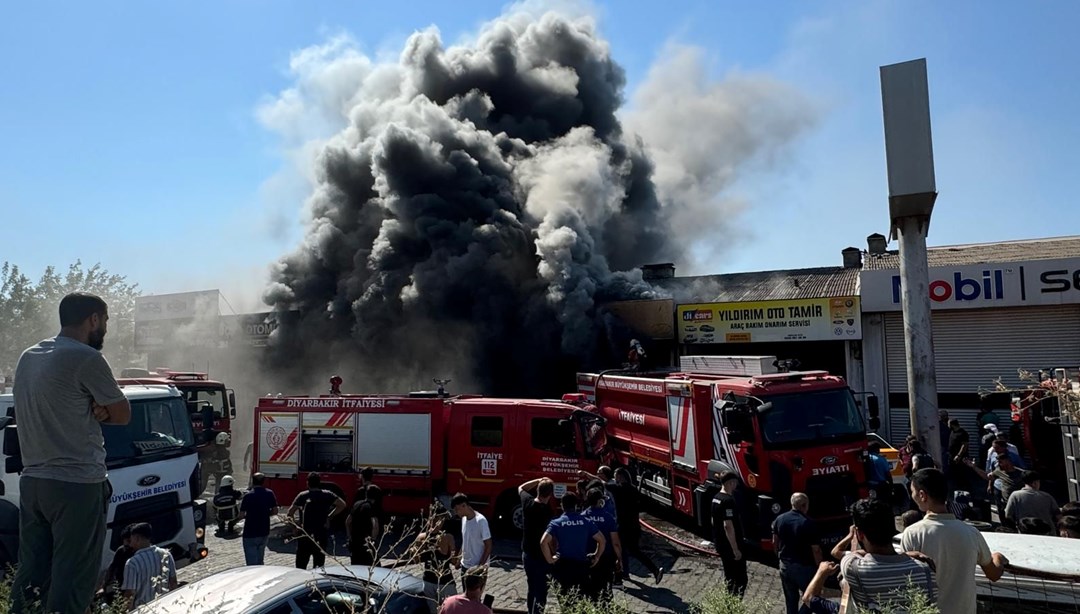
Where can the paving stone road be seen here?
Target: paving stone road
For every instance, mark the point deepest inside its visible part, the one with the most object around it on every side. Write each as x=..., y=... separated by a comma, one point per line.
x=688, y=577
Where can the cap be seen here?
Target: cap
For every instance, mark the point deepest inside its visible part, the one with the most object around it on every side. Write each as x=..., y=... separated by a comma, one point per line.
x=991, y=427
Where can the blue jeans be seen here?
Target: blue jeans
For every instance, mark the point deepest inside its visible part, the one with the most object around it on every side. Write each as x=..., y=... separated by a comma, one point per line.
x=794, y=578
x=255, y=549
x=536, y=577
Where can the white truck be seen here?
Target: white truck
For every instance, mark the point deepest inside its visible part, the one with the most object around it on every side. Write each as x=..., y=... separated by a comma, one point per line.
x=153, y=471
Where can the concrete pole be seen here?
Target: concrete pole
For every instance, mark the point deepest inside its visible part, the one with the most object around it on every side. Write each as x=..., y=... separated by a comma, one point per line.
x=918, y=340
x=909, y=156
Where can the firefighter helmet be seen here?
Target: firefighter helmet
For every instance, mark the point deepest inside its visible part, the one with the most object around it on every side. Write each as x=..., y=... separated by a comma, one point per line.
x=223, y=439
x=227, y=481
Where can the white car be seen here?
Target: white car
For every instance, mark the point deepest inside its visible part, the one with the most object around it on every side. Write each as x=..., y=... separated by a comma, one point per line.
x=268, y=589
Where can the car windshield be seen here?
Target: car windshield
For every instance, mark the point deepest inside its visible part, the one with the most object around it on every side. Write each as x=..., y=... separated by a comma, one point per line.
x=157, y=427
x=828, y=414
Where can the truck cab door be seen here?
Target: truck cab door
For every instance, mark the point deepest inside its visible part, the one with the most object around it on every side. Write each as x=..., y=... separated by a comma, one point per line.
x=487, y=457
x=554, y=450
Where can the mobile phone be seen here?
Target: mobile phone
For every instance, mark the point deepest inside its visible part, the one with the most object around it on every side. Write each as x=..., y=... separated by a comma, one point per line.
x=488, y=600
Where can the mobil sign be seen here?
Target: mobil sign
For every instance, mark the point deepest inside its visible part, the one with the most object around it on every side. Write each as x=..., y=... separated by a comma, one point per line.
x=1011, y=284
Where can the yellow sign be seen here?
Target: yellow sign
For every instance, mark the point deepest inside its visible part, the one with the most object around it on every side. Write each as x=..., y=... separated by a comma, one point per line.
x=816, y=319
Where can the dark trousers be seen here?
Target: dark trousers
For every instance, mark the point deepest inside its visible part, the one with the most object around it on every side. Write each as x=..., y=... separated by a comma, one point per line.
x=735, y=578
x=536, y=577
x=794, y=578
x=61, y=537
x=312, y=548
x=631, y=547
x=600, y=578
x=572, y=577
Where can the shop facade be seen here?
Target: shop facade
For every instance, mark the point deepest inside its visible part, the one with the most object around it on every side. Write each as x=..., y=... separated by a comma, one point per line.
x=996, y=308
x=811, y=316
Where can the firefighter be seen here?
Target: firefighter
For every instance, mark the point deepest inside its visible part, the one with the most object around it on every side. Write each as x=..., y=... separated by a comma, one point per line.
x=227, y=505
x=220, y=463
x=636, y=356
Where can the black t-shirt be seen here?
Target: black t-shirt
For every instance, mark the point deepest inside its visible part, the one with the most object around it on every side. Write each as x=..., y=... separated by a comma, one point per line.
x=257, y=506
x=627, y=508
x=362, y=515
x=315, y=506
x=957, y=439
x=796, y=534
x=724, y=507
x=537, y=516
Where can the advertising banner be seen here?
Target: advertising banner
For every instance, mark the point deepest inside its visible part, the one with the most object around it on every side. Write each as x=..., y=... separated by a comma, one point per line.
x=816, y=319
x=1013, y=284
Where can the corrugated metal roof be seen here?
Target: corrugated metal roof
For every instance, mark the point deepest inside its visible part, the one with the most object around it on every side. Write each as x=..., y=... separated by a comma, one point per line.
x=822, y=282
x=984, y=253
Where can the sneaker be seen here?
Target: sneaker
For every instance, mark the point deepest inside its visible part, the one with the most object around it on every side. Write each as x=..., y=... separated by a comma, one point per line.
x=659, y=575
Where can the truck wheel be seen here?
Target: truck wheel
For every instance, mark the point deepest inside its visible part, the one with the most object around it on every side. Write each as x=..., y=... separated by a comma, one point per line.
x=510, y=518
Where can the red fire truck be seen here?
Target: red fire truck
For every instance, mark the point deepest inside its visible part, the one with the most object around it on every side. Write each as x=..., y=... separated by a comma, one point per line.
x=425, y=445
x=209, y=402
x=780, y=432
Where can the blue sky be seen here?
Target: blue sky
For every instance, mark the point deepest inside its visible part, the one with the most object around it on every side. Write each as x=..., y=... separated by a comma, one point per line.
x=129, y=136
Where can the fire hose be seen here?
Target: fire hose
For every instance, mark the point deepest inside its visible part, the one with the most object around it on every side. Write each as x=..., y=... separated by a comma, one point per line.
x=677, y=541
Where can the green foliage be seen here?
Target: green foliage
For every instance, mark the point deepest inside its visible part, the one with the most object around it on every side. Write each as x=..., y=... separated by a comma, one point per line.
x=720, y=601
x=29, y=310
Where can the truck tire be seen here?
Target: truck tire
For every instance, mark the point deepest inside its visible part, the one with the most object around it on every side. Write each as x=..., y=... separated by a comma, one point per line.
x=509, y=516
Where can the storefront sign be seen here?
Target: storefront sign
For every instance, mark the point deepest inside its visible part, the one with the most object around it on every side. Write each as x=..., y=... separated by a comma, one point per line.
x=818, y=319
x=1015, y=284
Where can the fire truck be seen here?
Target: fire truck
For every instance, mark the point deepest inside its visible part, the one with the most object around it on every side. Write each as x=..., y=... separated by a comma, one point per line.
x=781, y=432
x=211, y=406
x=425, y=446
x=1045, y=427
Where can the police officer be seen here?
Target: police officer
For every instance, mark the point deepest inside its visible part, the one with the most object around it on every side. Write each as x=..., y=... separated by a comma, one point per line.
x=728, y=534
x=566, y=545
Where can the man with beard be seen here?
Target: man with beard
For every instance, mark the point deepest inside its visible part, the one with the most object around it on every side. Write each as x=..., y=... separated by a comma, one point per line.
x=64, y=391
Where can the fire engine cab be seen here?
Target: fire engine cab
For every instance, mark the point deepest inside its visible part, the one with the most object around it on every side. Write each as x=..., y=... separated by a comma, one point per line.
x=425, y=446
x=781, y=432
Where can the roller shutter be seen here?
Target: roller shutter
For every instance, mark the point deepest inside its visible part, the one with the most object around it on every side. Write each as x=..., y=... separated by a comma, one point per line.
x=972, y=348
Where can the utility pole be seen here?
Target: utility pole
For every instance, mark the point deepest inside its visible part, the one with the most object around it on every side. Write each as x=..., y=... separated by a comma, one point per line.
x=909, y=154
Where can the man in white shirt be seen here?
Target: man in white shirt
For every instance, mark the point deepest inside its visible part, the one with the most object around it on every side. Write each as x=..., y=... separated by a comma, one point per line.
x=475, y=535
x=954, y=546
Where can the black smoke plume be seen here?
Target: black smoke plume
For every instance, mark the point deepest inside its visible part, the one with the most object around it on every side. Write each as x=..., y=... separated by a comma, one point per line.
x=479, y=204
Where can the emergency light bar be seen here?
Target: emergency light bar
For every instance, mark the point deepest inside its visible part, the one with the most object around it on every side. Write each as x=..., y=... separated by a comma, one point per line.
x=177, y=376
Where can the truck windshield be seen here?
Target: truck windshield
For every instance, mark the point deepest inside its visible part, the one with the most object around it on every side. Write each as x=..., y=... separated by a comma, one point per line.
x=158, y=427
x=215, y=398
x=828, y=414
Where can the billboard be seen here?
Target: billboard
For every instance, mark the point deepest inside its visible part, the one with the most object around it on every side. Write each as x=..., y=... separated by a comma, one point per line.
x=651, y=319
x=1014, y=284
x=179, y=306
x=815, y=319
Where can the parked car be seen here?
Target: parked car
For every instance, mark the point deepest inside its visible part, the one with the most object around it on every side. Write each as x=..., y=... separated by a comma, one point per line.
x=267, y=589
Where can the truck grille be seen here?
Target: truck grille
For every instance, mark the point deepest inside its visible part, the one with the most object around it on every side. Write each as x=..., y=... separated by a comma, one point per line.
x=161, y=511
x=831, y=495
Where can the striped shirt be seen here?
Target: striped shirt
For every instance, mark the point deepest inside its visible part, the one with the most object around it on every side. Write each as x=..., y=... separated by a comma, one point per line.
x=876, y=580
x=148, y=573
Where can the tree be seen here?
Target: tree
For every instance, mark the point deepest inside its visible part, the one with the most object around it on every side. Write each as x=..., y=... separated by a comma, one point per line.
x=29, y=310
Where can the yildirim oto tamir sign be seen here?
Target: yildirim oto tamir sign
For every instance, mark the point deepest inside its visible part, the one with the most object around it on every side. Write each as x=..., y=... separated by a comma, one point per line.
x=816, y=319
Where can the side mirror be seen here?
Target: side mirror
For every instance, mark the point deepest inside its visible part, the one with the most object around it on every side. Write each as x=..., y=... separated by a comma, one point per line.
x=872, y=411
x=232, y=404
x=13, y=462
